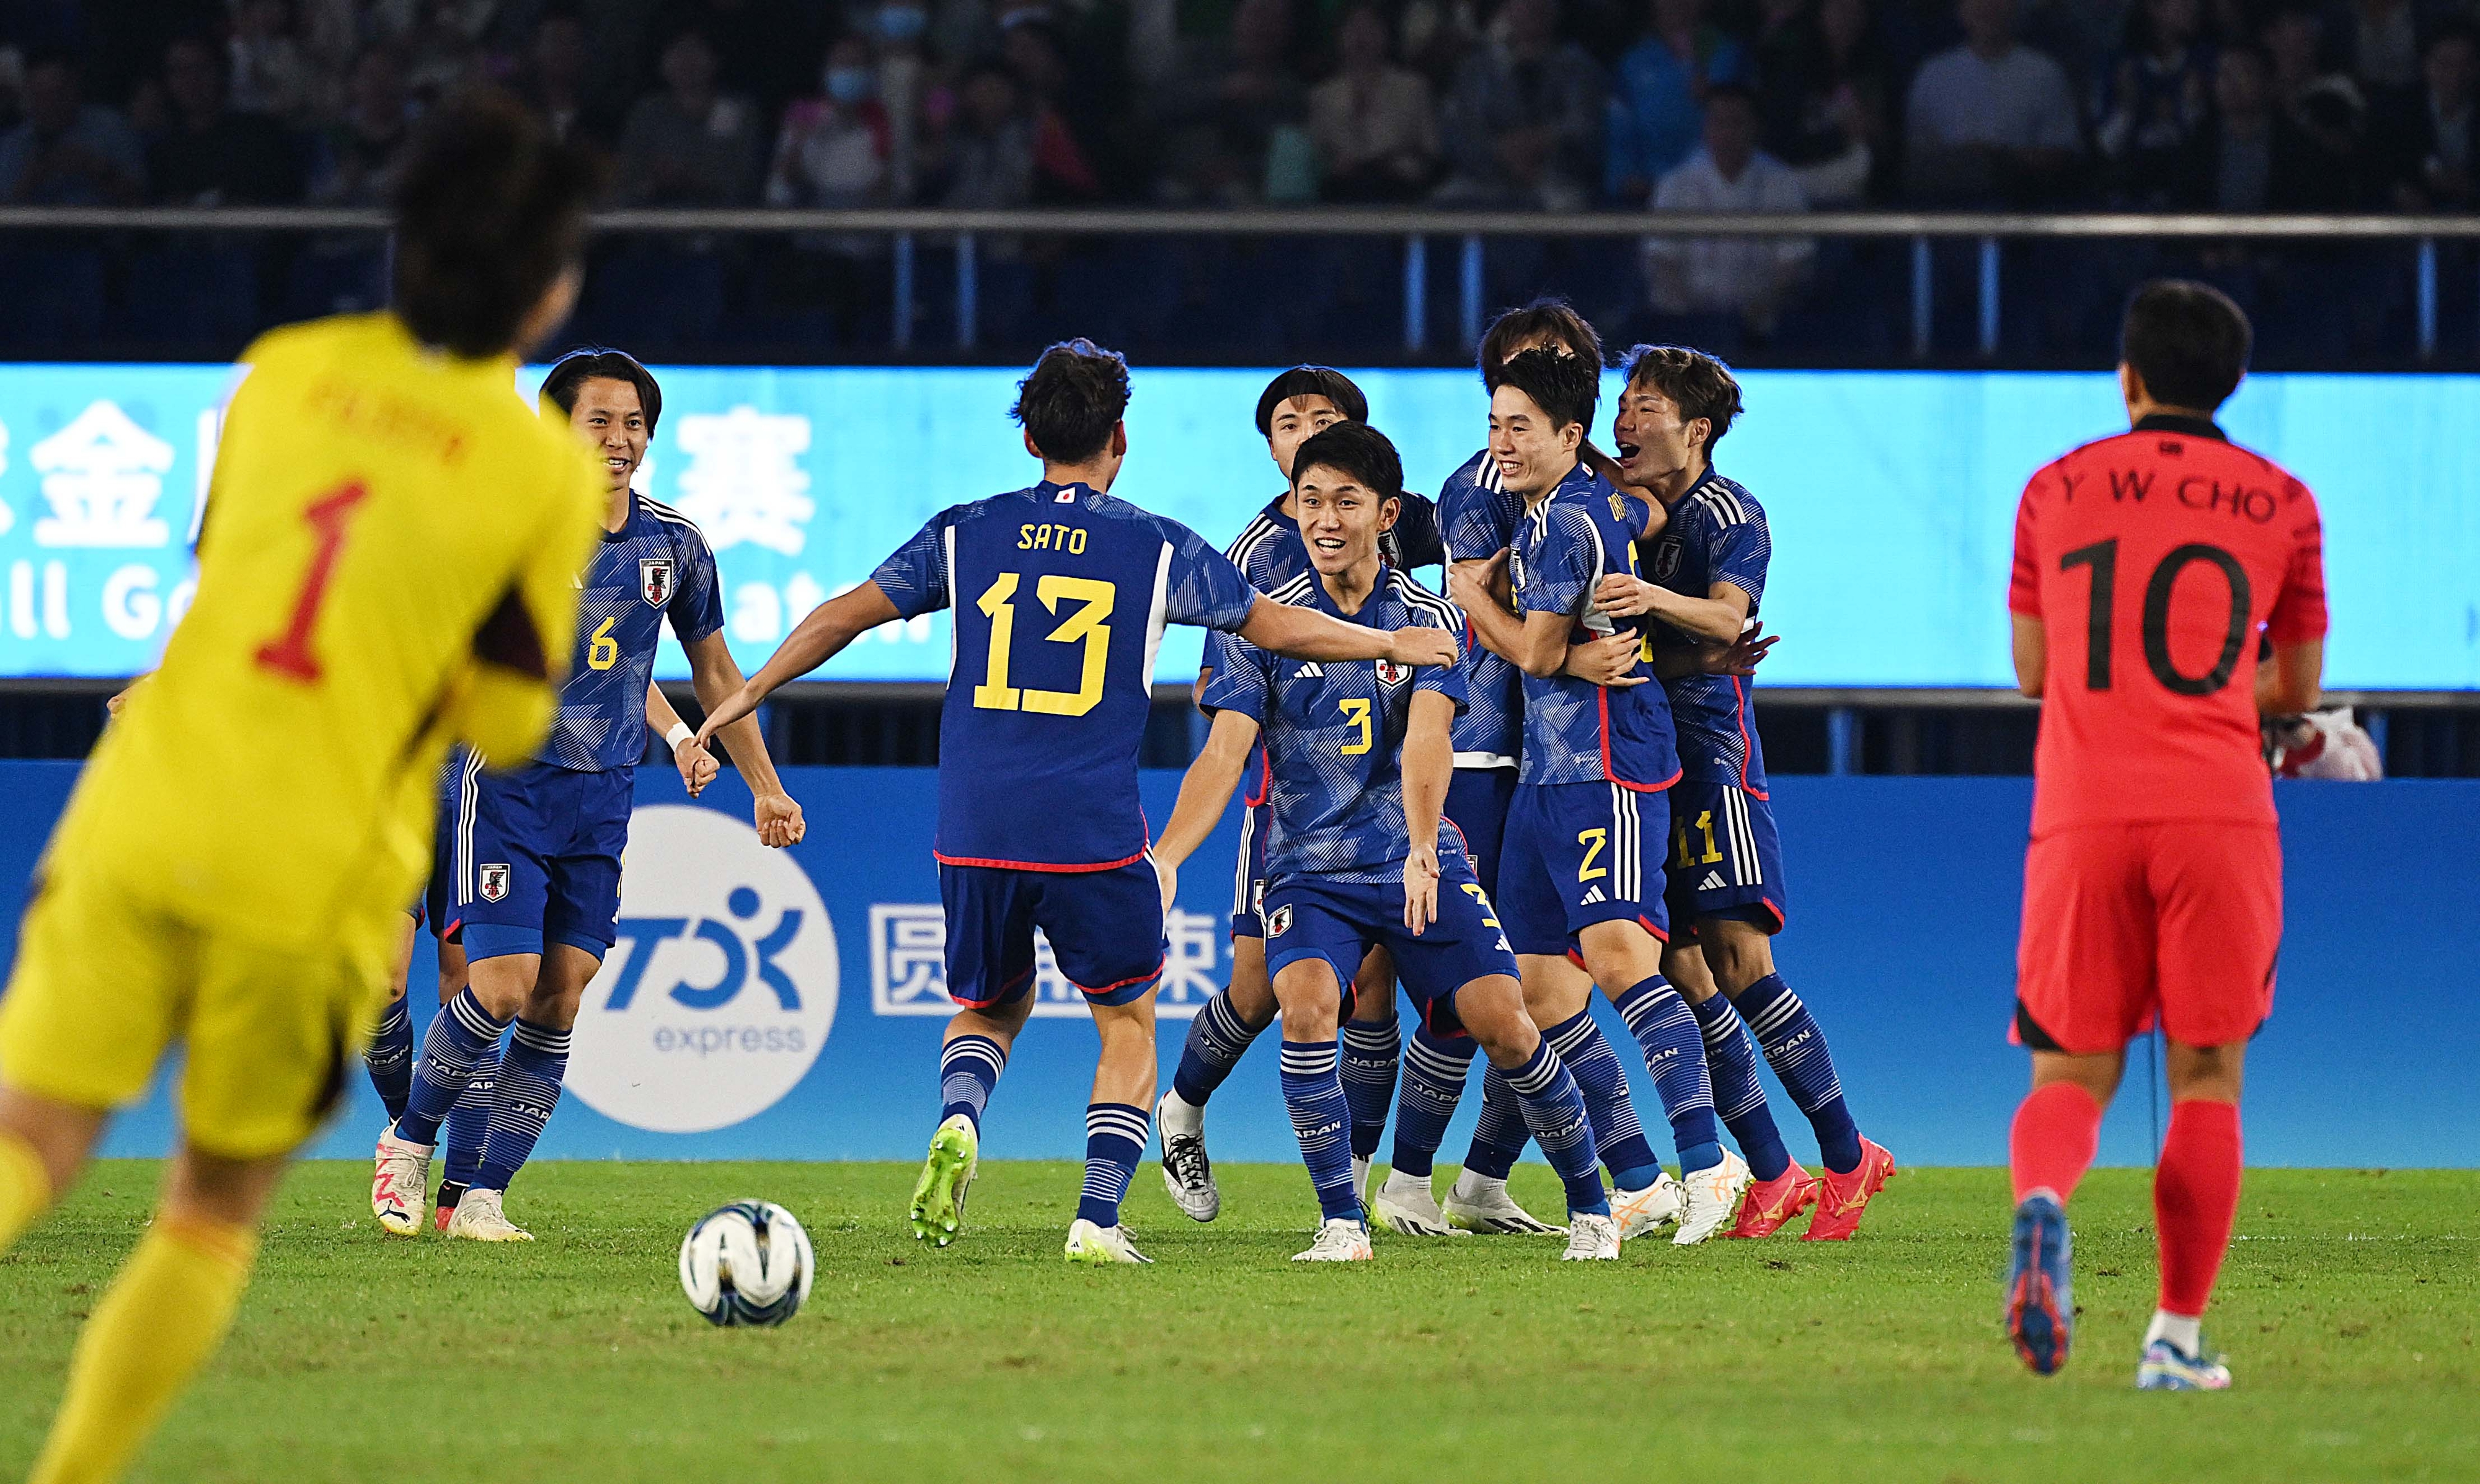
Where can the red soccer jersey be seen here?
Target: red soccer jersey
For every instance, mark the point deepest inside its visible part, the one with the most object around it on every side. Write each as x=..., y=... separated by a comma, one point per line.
x=2156, y=559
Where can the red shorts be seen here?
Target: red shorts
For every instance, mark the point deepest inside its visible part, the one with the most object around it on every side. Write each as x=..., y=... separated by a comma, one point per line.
x=2178, y=919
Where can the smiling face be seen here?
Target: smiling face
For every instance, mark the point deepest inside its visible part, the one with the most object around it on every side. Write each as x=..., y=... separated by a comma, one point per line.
x=1341, y=519
x=612, y=422
x=1531, y=452
x=1653, y=445
x=1294, y=422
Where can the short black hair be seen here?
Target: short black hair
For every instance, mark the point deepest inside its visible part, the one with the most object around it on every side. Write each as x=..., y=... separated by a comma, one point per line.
x=579, y=367
x=2187, y=342
x=1698, y=383
x=489, y=212
x=1311, y=381
x=1552, y=319
x=1565, y=387
x=1072, y=399
x=1358, y=450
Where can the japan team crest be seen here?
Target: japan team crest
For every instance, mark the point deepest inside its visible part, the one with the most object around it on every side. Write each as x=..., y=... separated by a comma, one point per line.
x=1390, y=673
x=654, y=580
x=491, y=882
x=1665, y=559
x=1278, y=922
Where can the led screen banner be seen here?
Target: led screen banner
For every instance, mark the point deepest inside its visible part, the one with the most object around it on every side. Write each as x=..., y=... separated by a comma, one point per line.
x=1892, y=498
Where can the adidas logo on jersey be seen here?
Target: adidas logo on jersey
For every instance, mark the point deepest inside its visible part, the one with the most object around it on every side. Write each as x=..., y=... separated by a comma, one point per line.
x=1309, y=669
x=1593, y=897
x=1713, y=882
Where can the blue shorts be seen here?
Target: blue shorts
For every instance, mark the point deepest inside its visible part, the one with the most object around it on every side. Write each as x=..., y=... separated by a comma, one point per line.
x=1106, y=929
x=1310, y=916
x=1725, y=858
x=1249, y=880
x=1581, y=854
x=1477, y=800
x=437, y=909
x=537, y=859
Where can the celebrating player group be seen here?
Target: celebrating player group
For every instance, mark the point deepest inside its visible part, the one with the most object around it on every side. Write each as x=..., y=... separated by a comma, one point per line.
x=1542, y=785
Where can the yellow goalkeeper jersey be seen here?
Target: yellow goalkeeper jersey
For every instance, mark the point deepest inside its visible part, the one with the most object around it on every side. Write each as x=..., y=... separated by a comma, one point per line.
x=385, y=522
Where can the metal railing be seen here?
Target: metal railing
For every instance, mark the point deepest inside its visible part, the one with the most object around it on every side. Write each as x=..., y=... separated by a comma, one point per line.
x=961, y=232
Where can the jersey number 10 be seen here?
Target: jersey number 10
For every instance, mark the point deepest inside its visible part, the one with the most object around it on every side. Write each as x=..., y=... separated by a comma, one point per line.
x=2102, y=558
x=1088, y=624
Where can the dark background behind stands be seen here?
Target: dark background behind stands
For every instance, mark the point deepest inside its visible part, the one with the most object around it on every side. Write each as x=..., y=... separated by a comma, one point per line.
x=2236, y=105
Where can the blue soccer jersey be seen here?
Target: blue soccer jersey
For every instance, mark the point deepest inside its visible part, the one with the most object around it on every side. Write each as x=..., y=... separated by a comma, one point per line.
x=1716, y=534
x=1478, y=517
x=1576, y=731
x=1060, y=594
x=655, y=567
x=1333, y=734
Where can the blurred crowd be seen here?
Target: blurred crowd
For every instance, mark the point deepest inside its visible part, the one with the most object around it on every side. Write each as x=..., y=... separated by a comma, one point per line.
x=2234, y=105
x=1567, y=105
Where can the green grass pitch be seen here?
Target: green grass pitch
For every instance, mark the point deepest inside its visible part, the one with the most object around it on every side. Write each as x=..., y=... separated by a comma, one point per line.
x=2348, y=1309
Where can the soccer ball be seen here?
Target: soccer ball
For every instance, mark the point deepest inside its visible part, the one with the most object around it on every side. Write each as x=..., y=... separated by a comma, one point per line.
x=748, y=1263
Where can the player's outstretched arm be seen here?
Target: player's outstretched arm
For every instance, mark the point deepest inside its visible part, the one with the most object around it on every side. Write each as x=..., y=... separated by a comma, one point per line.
x=1716, y=619
x=697, y=765
x=1536, y=643
x=716, y=679
x=2294, y=681
x=1204, y=794
x=2032, y=656
x=1304, y=633
x=1429, y=761
x=818, y=638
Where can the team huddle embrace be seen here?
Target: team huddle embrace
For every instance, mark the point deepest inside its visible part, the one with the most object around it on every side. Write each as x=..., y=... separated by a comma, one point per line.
x=1544, y=783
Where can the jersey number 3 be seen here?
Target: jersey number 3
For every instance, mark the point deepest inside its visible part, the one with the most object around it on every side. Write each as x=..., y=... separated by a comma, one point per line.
x=289, y=655
x=1086, y=625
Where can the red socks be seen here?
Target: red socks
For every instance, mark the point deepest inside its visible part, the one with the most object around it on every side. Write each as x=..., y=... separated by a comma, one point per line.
x=2051, y=1145
x=2195, y=1197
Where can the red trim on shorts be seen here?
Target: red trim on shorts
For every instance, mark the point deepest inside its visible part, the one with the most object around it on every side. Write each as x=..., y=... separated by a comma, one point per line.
x=1612, y=774
x=1747, y=748
x=1658, y=936
x=1007, y=991
x=1038, y=865
x=1782, y=919
x=1134, y=978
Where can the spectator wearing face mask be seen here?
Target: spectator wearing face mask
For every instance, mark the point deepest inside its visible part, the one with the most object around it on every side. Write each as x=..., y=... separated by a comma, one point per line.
x=832, y=149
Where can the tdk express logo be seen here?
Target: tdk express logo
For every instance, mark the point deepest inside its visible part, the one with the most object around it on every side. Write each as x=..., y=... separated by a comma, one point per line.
x=720, y=991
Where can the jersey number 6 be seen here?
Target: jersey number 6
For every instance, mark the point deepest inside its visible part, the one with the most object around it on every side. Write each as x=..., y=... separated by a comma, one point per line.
x=1087, y=625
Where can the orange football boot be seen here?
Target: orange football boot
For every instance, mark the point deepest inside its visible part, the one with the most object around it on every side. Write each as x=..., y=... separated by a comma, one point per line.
x=1771, y=1203
x=1844, y=1196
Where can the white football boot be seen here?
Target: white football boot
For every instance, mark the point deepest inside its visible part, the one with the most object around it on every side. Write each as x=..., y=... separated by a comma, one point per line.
x=1100, y=1247
x=1405, y=1206
x=1640, y=1212
x=479, y=1218
x=1338, y=1241
x=400, y=1184
x=1712, y=1199
x=1187, y=1173
x=1592, y=1238
x=1477, y=1203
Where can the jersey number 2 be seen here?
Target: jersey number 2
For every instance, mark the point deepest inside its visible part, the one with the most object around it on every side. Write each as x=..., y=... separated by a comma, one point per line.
x=1086, y=625
x=289, y=655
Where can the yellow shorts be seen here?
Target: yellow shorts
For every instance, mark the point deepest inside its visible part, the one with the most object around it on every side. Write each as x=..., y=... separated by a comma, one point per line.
x=106, y=982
